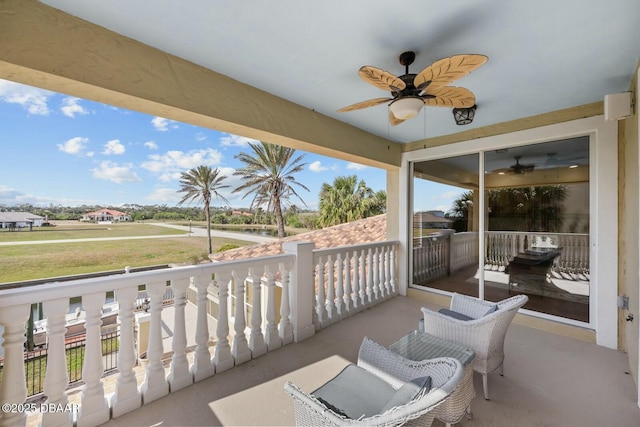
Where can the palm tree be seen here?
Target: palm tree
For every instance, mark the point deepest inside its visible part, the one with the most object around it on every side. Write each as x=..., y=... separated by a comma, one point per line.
x=268, y=175
x=349, y=200
x=201, y=183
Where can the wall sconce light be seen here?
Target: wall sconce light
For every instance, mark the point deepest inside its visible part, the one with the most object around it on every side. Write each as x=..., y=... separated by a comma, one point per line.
x=464, y=116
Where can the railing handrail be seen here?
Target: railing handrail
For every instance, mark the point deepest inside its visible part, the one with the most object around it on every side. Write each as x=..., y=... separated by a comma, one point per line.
x=537, y=233
x=55, y=290
x=350, y=248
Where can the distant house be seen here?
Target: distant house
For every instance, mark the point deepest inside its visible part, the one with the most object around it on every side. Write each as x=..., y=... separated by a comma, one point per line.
x=20, y=220
x=430, y=219
x=106, y=215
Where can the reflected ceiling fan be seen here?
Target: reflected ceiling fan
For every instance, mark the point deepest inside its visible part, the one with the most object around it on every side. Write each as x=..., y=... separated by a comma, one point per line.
x=409, y=92
x=516, y=169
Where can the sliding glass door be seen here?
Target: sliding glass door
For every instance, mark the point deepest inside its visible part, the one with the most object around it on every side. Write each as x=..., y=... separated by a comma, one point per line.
x=535, y=215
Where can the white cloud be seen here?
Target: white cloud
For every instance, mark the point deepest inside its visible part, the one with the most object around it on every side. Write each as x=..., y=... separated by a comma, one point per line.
x=114, y=172
x=201, y=136
x=161, y=124
x=448, y=195
x=75, y=146
x=11, y=197
x=164, y=195
x=151, y=145
x=230, y=140
x=355, y=166
x=34, y=100
x=71, y=107
x=179, y=161
x=113, y=147
x=317, y=167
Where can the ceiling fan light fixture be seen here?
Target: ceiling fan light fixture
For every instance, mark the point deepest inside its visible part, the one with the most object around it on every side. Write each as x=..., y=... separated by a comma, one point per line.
x=464, y=116
x=406, y=108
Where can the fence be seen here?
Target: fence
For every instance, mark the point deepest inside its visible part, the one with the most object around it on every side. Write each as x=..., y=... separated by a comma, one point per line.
x=35, y=362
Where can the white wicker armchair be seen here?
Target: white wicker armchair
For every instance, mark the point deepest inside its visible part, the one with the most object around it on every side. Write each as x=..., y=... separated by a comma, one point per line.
x=395, y=370
x=484, y=333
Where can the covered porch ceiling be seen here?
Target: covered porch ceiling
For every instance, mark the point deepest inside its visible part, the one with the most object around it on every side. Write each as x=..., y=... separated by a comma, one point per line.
x=279, y=71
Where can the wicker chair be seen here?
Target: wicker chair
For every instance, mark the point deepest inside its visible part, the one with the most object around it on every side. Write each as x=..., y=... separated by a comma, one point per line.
x=395, y=371
x=484, y=332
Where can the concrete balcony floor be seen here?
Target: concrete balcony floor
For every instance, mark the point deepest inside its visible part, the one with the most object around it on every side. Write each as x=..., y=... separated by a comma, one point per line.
x=549, y=380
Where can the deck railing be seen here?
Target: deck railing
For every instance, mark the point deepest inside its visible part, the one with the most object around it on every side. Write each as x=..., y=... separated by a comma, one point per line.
x=315, y=289
x=442, y=254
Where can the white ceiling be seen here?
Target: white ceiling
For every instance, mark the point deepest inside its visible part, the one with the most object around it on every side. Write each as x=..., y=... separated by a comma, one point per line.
x=544, y=55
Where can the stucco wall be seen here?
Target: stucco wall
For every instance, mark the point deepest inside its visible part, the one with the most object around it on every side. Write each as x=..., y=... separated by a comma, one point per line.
x=629, y=234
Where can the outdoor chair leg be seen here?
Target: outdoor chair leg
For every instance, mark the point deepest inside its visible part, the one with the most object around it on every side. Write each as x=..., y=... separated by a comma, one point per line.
x=485, y=386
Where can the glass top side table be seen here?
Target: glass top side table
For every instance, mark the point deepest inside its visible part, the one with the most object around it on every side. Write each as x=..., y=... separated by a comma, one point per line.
x=422, y=346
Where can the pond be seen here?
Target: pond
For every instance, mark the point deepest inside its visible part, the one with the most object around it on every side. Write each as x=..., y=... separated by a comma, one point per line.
x=267, y=232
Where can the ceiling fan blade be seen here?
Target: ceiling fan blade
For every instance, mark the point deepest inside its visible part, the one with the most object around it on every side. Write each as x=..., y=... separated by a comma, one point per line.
x=381, y=79
x=393, y=120
x=365, y=104
x=446, y=70
x=449, y=96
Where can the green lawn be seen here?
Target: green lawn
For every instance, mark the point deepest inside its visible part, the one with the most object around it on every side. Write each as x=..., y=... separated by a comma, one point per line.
x=78, y=230
x=27, y=262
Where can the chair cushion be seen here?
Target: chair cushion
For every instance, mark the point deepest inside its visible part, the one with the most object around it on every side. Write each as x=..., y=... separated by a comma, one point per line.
x=415, y=388
x=492, y=309
x=355, y=392
x=454, y=314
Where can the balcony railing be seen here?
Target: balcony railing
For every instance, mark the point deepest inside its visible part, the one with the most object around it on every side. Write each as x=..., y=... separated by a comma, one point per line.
x=301, y=291
x=440, y=255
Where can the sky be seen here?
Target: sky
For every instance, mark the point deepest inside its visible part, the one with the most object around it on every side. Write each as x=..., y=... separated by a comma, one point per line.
x=62, y=150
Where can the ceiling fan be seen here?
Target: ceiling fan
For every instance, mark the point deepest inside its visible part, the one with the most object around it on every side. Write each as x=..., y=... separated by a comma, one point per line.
x=409, y=92
x=516, y=169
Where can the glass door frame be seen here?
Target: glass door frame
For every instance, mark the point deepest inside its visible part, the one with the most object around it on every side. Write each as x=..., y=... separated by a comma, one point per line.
x=603, y=236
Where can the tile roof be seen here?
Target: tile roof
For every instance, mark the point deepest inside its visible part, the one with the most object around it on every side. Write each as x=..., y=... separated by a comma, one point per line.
x=372, y=229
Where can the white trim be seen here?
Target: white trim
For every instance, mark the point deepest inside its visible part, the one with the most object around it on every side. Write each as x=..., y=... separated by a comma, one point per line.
x=603, y=203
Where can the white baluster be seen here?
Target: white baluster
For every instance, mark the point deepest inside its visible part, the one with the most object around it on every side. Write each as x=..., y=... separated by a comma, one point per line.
x=376, y=275
x=373, y=274
x=256, y=338
x=347, y=283
x=356, y=298
x=13, y=388
x=331, y=294
x=94, y=409
x=56, y=379
x=202, y=367
x=222, y=358
x=179, y=375
x=392, y=263
x=321, y=308
x=155, y=384
x=240, y=347
x=387, y=271
x=127, y=396
x=364, y=292
x=371, y=295
x=340, y=308
x=285, y=328
x=272, y=339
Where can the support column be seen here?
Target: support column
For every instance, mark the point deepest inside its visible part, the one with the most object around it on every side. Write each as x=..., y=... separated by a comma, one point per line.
x=13, y=388
x=94, y=408
x=302, y=289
